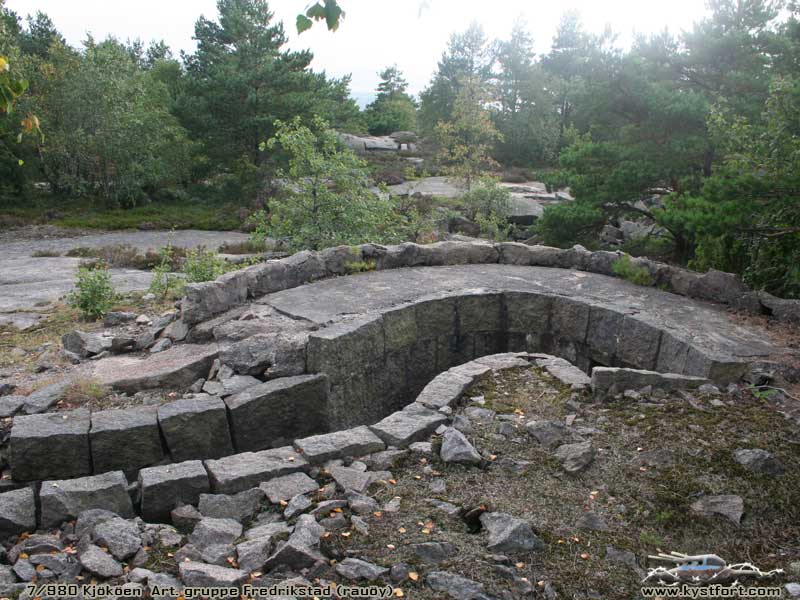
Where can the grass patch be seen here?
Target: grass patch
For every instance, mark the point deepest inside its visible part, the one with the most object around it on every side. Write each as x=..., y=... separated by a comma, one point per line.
x=49, y=330
x=46, y=254
x=122, y=256
x=624, y=268
x=245, y=247
x=360, y=266
x=83, y=391
x=84, y=214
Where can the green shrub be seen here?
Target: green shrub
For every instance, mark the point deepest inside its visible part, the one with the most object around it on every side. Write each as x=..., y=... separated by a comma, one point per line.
x=93, y=294
x=327, y=200
x=165, y=281
x=569, y=223
x=487, y=198
x=624, y=268
x=489, y=205
x=203, y=265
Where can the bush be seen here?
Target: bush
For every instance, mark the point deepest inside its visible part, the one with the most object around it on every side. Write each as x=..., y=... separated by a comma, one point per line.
x=569, y=223
x=624, y=268
x=489, y=205
x=93, y=294
x=203, y=265
x=327, y=200
x=164, y=279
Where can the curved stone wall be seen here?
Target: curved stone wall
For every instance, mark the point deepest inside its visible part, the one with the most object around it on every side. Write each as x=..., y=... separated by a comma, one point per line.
x=205, y=300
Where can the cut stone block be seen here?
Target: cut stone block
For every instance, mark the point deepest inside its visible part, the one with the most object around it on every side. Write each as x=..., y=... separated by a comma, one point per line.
x=609, y=381
x=412, y=424
x=444, y=390
x=563, y=370
x=357, y=441
x=65, y=499
x=17, y=512
x=195, y=428
x=176, y=368
x=638, y=343
x=125, y=439
x=249, y=469
x=479, y=312
x=50, y=445
x=165, y=487
x=570, y=319
x=342, y=348
x=278, y=410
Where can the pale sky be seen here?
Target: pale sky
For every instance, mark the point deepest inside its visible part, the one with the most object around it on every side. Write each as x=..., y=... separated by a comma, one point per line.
x=374, y=33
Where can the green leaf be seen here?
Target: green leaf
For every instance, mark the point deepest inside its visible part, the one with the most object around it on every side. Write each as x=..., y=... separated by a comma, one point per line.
x=20, y=162
x=316, y=12
x=333, y=13
x=303, y=23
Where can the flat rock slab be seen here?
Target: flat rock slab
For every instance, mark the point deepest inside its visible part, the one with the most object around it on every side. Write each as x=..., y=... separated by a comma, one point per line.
x=282, y=489
x=178, y=367
x=412, y=424
x=26, y=281
x=50, y=445
x=243, y=471
x=355, y=442
x=196, y=574
x=727, y=505
x=444, y=390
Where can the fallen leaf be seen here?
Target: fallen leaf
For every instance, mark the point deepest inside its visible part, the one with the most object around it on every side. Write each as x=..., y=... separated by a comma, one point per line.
x=398, y=593
x=520, y=565
x=391, y=546
x=413, y=576
x=401, y=530
x=584, y=556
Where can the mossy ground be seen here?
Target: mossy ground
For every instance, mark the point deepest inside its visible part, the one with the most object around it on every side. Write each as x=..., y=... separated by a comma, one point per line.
x=652, y=461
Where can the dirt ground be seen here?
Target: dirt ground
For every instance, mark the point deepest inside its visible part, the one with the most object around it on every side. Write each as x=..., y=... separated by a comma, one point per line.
x=653, y=459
